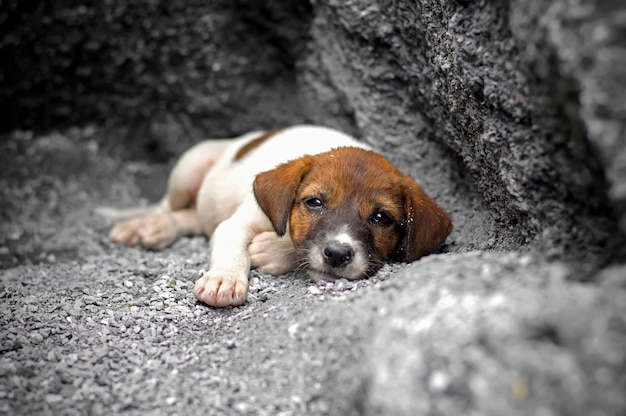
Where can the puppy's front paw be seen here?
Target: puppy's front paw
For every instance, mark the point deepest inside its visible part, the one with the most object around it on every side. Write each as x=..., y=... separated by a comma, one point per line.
x=272, y=254
x=221, y=290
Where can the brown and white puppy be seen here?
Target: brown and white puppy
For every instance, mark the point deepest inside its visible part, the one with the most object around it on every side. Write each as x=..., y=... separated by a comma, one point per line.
x=305, y=196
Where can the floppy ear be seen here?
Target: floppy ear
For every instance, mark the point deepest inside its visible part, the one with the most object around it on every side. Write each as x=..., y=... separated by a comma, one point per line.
x=427, y=226
x=276, y=189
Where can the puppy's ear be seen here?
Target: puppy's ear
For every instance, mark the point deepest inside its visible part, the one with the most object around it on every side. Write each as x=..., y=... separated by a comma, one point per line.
x=427, y=226
x=275, y=190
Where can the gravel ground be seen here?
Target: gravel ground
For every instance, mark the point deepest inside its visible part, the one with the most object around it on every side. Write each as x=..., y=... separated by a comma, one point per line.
x=88, y=327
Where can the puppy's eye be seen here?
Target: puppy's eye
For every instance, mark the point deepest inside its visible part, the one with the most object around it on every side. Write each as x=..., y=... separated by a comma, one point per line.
x=314, y=203
x=382, y=218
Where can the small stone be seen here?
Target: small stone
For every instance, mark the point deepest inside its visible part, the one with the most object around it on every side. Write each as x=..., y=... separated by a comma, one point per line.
x=30, y=299
x=438, y=382
x=293, y=330
x=7, y=368
x=53, y=398
x=314, y=290
x=520, y=389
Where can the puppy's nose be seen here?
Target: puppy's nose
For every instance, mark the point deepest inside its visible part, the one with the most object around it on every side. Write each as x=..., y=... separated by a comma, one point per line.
x=337, y=254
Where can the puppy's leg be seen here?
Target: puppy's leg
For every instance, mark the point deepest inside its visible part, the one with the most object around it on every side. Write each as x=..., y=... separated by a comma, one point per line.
x=175, y=215
x=272, y=254
x=226, y=282
x=158, y=231
x=188, y=173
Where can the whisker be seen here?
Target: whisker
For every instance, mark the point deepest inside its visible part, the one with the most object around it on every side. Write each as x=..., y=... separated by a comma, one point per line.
x=302, y=259
x=373, y=265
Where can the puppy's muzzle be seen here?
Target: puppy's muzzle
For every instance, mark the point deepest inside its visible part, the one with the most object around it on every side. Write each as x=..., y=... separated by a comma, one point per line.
x=338, y=254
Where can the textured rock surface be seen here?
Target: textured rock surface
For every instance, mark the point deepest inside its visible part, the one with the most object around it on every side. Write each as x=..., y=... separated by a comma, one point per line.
x=485, y=80
x=510, y=113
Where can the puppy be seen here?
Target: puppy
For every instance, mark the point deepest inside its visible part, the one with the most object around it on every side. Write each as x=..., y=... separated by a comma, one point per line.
x=303, y=197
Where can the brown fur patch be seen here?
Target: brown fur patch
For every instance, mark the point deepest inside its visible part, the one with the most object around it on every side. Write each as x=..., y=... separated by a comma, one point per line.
x=275, y=190
x=253, y=144
x=427, y=226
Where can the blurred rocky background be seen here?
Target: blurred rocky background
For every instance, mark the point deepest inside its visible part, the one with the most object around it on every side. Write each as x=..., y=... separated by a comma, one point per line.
x=511, y=114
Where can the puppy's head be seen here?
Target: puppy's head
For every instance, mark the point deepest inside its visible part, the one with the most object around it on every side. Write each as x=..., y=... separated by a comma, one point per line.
x=348, y=211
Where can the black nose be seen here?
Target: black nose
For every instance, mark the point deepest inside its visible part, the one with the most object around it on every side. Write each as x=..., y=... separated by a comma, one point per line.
x=337, y=254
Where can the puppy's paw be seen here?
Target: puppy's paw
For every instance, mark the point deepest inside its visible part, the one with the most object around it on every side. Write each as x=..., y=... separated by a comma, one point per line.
x=125, y=232
x=158, y=231
x=272, y=254
x=217, y=288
